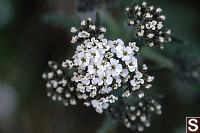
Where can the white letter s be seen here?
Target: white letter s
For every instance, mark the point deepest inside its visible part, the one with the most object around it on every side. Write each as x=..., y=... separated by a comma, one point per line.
x=192, y=124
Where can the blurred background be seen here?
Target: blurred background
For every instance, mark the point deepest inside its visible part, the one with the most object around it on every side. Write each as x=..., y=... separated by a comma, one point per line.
x=35, y=31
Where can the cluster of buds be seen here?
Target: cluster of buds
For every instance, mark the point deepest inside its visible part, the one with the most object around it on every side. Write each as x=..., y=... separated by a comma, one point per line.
x=188, y=68
x=87, y=29
x=138, y=80
x=136, y=116
x=149, y=24
x=59, y=85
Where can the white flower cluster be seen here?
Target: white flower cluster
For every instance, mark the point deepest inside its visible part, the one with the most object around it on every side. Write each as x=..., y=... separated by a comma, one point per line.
x=149, y=23
x=105, y=71
x=136, y=116
x=102, y=65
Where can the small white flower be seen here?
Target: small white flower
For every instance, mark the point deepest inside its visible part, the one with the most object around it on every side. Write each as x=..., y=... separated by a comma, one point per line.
x=103, y=64
x=118, y=80
x=144, y=67
x=93, y=93
x=67, y=95
x=127, y=9
x=161, y=39
x=159, y=25
x=144, y=4
x=83, y=23
x=137, y=8
x=151, y=25
x=168, y=32
x=151, y=8
x=125, y=54
x=93, y=43
x=102, y=29
x=90, y=19
x=103, y=45
x=126, y=78
x=106, y=89
x=138, y=75
x=154, y=23
x=44, y=75
x=151, y=44
x=100, y=104
x=93, y=69
x=80, y=48
x=90, y=88
x=128, y=125
x=54, y=83
x=95, y=81
x=105, y=79
x=132, y=64
x=150, y=78
x=94, y=54
x=133, y=82
x=87, y=104
x=140, y=128
x=111, y=98
x=73, y=30
x=59, y=72
x=48, y=85
x=81, y=88
x=142, y=27
x=133, y=46
x=140, y=33
x=85, y=81
x=50, y=75
x=59, y=89
x=116, y=45
x=100, y=37
x=83, y=59
x=148, y=15
x=73, y=102
x=109, y=55
x=140, y=94
x=150, y=35
x=148, y=86
x=115, y=67
x=139, y=13
x=67, y=63
x=158, y=10
x=92, y=27
x=130, y=22
x=124, y=72
x=126, y=93
x=63, y=82
x=83, y=34
x=133, y=117
x=162, y=17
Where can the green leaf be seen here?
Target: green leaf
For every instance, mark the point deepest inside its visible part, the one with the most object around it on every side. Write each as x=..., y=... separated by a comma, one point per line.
x=177, y=40
x=59, y=20
x=97, y=20
x=107, y=126
x=114, y=29
x=152, y=55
